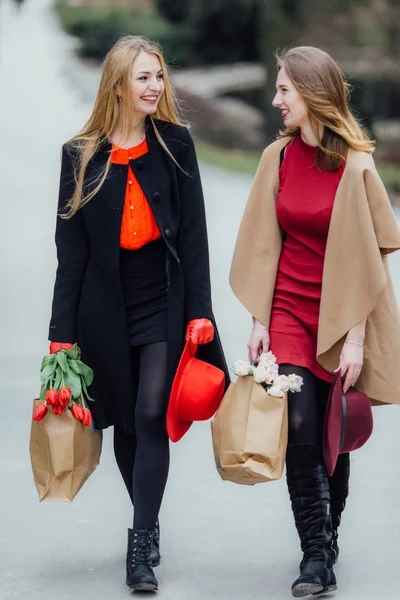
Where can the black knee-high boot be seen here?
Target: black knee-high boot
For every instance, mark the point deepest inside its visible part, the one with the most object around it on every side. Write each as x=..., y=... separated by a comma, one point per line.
x=339, y=489
x=309, y=493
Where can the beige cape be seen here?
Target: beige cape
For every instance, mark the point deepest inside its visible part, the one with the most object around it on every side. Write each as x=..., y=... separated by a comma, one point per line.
x=356, y=281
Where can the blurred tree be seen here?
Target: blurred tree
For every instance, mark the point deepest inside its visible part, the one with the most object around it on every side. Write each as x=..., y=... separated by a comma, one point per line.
x=253, y=30
x=393, y=27
x=223, y=32
x=226, y=30
x=279, y=22
x=177, y=11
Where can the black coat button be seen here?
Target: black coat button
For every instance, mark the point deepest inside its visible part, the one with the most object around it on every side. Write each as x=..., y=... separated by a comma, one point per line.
x=167, y=233
x=139, y=165
x=156, y=197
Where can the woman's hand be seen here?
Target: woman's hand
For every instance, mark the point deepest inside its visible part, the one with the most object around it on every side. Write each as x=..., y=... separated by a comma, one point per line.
x=351, y=362
x=200, y=331
x=259, y=341
x=352, y=355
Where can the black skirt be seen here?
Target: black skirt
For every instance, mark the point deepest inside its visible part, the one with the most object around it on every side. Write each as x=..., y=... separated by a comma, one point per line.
x=144, y=287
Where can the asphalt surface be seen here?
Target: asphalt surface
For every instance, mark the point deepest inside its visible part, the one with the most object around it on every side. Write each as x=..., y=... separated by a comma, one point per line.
x=219, y=541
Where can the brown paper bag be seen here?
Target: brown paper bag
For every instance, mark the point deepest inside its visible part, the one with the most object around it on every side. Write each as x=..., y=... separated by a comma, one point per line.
x=64, y=453
x=249, y=433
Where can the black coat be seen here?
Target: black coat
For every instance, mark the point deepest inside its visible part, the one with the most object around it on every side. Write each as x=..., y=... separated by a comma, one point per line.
x=88, y=305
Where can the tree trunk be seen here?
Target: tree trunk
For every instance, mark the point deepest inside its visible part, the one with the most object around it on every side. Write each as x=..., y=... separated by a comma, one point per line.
x=268, y=28
x=279, y=24
x=393, y=29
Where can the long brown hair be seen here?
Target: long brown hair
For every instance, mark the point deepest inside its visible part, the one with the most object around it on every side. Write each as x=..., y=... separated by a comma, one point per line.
x=107, y=111
x=322, y=85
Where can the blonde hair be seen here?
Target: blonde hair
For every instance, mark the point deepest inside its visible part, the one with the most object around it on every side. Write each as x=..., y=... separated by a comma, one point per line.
x=108, y=111
x=322, y=85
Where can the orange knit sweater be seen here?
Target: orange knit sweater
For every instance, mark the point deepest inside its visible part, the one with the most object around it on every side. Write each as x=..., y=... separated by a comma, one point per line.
x=138, y=225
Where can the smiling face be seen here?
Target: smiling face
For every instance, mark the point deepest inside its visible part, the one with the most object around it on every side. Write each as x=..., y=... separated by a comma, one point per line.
x=291, y=104
x=147, y=83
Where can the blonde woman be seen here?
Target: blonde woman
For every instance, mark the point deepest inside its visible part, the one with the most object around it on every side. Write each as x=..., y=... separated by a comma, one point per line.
x=133, y=272
x=310, y=266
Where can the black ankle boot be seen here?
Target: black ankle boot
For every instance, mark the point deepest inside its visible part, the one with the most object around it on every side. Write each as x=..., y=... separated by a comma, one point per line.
x=339, y=490
x=309, y=493
x=155, y=555
x=139, y=572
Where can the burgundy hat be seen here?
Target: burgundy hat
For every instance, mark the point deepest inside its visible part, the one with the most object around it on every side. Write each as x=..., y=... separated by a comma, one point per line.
x=196, y=393
x=348, y=422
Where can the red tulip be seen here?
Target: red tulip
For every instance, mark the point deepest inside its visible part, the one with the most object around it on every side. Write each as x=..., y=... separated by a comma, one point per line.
x=87, y=417
x=77, y=411
x=40, y=412
x=58, y=409
x=51, y=397
x=64, y=396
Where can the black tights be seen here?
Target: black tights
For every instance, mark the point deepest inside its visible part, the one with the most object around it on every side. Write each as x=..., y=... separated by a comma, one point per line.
x=143, y=458
x=306, y=408
x=306, y=422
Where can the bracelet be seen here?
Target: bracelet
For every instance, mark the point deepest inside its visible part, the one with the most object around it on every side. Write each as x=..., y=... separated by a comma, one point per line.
x=356, y=343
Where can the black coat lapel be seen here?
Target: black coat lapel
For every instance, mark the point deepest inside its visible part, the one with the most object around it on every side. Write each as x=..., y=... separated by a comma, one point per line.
x=154, y=175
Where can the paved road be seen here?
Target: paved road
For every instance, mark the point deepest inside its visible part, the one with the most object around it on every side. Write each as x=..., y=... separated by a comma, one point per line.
x=219, y=541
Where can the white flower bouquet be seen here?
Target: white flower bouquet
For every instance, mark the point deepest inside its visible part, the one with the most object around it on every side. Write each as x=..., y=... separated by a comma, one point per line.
x=266, y=373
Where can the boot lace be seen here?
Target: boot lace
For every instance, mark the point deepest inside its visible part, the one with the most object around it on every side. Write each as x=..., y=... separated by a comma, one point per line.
x=141, y=549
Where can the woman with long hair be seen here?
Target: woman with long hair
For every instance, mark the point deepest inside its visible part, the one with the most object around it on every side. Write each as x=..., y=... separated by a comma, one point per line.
x=310, y=266
x=133, y=276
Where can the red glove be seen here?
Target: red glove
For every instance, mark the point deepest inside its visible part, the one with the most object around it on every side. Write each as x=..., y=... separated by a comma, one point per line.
x=56, y=346
x=200, y=331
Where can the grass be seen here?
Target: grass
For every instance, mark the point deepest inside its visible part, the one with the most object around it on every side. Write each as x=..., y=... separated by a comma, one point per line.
x=234, y=160
x=247, y=162
x=390, y=174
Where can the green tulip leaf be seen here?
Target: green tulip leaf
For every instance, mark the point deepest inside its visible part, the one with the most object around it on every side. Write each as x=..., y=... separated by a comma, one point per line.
x=74, y=353
x=73, y=381
x=46, y=374
x=85, y=391
x=48, y=360
x=74, y=365
x=42, y=395
x=87, y=373
x=88, y=379
x=57, y=380
x=83, y=370
x=62, y=360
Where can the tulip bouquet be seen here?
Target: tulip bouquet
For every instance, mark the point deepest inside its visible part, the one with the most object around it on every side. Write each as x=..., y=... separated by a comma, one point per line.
x=266, y=372
x=65, y=379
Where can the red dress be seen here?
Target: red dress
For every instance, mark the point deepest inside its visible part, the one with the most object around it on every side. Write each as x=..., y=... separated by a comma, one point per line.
x=304, y=209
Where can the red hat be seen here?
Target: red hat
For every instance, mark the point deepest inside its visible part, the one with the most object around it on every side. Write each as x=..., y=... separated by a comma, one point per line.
x=196, y=393
x=348, y=422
